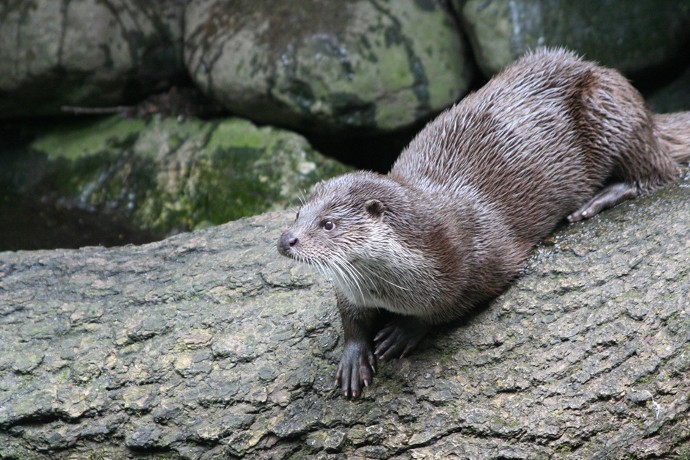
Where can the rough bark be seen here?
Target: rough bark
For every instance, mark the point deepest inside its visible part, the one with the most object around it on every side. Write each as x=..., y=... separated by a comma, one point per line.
x=210, y=345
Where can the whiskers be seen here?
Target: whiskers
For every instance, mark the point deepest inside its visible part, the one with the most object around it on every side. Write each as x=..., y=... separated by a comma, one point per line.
x=302, y=198
x=349, y=278
x=362, y=284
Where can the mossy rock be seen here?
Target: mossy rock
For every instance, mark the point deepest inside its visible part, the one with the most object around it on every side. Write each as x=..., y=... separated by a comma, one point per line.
x=165, y=175
x=323, y=67
x=60, y=53
x=630, y=36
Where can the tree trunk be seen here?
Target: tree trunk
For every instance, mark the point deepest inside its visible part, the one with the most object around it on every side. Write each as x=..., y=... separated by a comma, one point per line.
x=209, y=344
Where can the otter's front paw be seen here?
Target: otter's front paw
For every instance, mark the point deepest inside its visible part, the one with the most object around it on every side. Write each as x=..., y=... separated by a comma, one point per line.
x=399, y=338
x=356, y=369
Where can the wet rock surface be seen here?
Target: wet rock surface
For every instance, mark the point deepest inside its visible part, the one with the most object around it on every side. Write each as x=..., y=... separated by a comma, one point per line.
x=208, y=345
x=86, y=53
x=630, y=37
x=361, y=65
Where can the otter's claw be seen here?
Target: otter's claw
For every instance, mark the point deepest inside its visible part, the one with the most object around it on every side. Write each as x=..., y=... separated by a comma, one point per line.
x=356, y=369
x=398, y=338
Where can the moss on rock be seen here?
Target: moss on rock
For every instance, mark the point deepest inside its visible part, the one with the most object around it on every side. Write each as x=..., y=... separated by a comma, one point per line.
x=167, y=175
x=630, y=36
x=361, y=66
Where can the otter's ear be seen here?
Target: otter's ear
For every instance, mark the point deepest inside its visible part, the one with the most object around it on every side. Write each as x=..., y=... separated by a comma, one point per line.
x=375, y=208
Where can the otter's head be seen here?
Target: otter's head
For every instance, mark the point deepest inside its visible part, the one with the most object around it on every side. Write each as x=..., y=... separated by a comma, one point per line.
x=341, y=222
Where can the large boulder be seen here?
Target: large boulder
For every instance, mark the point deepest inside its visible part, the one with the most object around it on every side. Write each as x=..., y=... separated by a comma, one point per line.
x=209, y=345
x=87, y=53
x=327, y=67
x=163, y=174
x=630, y=36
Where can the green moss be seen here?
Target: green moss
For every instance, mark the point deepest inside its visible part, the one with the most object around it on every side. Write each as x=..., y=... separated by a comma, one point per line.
x=165, y=135
x=234, y=185
x=564, y=449
x=78, y=140
x=63, y=375
x=631, y=295
x=236, y=133
x=167, y=176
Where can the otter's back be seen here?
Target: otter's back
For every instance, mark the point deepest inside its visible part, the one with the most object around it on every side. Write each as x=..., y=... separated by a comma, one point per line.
x=525, y=143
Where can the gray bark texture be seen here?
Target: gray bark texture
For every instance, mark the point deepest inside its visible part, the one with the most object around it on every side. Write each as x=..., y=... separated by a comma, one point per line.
x=210, y=345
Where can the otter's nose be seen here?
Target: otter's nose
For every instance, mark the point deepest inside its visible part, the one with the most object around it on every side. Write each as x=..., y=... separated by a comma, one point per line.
x=287, y=240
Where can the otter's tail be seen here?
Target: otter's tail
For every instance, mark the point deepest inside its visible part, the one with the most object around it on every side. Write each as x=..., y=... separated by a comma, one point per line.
x=673, y=132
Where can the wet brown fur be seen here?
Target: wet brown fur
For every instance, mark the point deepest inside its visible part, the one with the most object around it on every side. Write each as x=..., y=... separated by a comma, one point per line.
x=454, y=220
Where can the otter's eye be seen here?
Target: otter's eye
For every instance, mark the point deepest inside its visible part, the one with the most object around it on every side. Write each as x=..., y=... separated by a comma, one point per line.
x=327, y=225
x=297, y=216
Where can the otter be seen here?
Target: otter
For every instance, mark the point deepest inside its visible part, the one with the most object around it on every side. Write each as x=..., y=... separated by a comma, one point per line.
x=549, y=138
